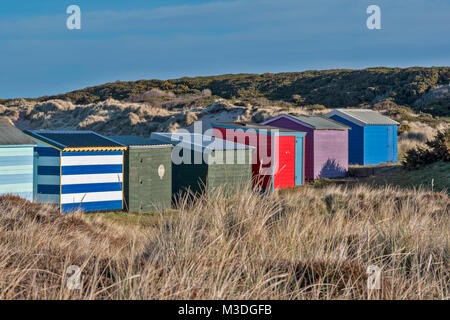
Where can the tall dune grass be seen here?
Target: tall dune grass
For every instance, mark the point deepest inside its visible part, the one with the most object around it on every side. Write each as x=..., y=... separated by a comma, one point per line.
x=307, y=243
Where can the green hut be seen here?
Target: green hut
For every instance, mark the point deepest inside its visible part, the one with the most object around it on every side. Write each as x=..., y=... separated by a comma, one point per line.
x=200, y=162
x=147, y=174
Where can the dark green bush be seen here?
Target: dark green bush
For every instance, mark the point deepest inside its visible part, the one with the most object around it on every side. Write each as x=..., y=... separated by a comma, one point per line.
x=436, y=150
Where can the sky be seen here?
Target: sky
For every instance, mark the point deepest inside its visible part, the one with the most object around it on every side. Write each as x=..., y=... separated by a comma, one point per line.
x=165, y=39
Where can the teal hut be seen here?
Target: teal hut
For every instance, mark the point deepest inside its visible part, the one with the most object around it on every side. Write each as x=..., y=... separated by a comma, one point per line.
x=16, y=161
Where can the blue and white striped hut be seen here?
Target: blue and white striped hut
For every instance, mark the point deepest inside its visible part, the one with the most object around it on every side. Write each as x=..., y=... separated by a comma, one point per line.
x=16, y=161
x=79, y=170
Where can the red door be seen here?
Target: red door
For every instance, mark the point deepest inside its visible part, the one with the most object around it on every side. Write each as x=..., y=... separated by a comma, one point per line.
x=284, y=170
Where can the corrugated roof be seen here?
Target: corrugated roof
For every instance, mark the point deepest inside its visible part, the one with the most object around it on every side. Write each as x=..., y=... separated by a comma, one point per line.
x=321, y=123
x=81, y=140
x=363, y=116
x=137, y=141
x=11, y=136
x=189, y=140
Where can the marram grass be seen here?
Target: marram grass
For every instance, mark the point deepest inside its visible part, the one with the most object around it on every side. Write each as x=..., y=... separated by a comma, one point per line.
x=313, y=243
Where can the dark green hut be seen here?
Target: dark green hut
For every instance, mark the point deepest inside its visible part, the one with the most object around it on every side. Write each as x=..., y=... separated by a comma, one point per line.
x=200, y=162
x=147, y=174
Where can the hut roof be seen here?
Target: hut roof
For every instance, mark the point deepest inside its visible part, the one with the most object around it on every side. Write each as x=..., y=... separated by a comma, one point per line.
x=363, y=116
x=11, y=136
x=76, y=140
x=132, y=141
x=190, y=140
x=317, y=122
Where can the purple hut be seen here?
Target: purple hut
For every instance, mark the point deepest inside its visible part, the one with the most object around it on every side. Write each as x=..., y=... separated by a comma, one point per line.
x=326, y=144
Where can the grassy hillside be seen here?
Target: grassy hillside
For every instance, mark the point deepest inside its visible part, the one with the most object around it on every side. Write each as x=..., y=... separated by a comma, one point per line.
x=431, y=177
x=331, y=88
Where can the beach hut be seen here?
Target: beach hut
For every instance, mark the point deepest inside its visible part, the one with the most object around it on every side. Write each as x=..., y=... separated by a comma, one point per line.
x=147, y=174
x=373, y=137
x=326, y=144
x=201, y=161
x=280, y=153
x=16, y=161
x=78, y=170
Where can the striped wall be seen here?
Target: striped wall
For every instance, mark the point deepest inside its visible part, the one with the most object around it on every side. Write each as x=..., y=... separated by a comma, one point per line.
x=16, y=171
x=88, y=181
x=47, y=178
x=91, y=181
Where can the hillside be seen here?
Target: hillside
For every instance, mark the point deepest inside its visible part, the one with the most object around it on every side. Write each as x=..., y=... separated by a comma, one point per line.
x=423, y=89
x=434, y=177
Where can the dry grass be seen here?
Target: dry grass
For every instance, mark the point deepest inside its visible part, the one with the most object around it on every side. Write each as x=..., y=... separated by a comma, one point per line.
x=311, y=243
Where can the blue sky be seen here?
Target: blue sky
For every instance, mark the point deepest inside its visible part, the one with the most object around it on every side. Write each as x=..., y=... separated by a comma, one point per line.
x=146, y=39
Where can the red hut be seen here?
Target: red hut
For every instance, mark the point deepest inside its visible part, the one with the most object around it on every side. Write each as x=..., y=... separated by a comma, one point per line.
x=279, y=160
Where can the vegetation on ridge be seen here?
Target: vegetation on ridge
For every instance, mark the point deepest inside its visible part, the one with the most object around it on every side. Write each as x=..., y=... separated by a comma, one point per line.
x=330, y=88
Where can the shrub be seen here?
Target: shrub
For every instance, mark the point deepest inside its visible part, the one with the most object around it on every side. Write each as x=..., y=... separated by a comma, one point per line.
x=436, y=150
x=386, y=104
x=298, y=99
x=403, y=128
x=207, y=92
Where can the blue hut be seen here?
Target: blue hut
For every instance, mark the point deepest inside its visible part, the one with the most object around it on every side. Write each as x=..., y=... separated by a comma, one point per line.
x=373, y=137
x=78, y=170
